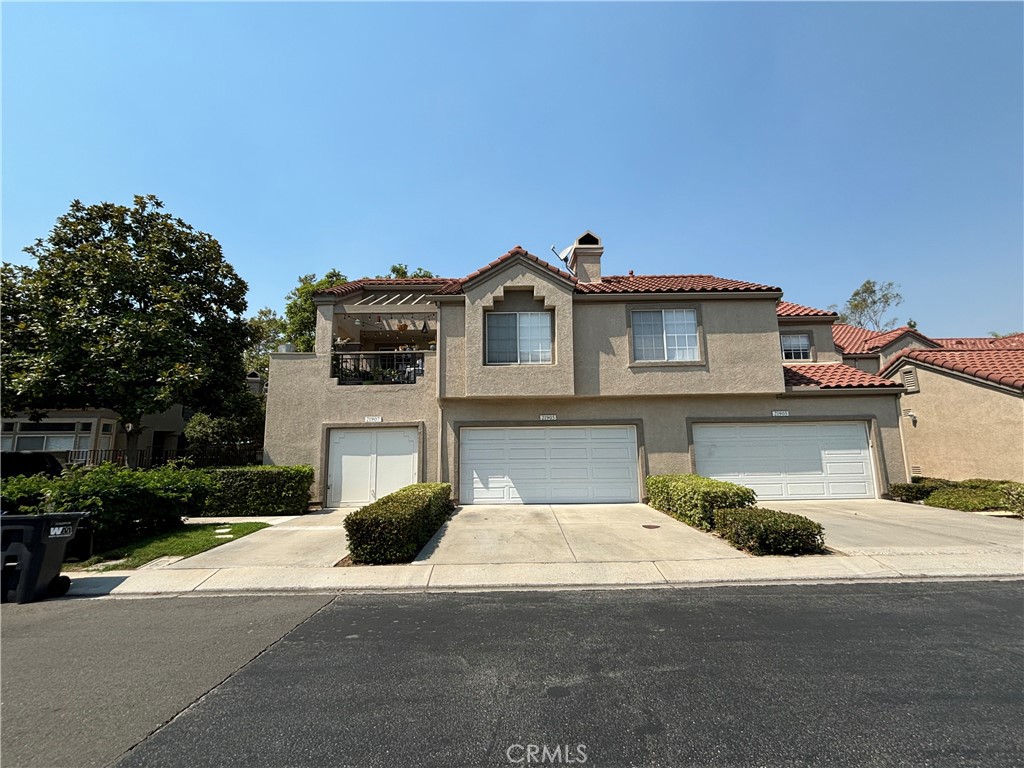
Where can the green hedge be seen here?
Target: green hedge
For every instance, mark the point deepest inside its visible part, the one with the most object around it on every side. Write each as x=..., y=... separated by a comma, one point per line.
x=395, y=528
x=967, y=499
x=1013, y=498
x=124, y=505
x=917, y=490
x=258, y=491
x=972, y=495
x=694, y=499
x=769, y=532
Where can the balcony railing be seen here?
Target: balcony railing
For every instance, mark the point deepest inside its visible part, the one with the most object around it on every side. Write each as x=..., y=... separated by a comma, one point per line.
x=146, y=458
x=376, y=367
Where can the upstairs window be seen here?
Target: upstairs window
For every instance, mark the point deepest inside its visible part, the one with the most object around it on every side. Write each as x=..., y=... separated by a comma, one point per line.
x=665, y=334
x=796, y=346
x=519, y=338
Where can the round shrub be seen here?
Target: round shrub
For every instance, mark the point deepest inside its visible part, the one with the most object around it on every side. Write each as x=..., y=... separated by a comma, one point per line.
x=769, y=532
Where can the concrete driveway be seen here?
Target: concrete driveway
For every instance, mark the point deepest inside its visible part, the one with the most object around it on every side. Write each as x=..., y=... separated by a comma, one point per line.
x=564, y=533
x=886, y=529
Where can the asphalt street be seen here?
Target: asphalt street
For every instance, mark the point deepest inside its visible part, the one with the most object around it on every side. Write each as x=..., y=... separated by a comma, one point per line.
x=83, y=681
x=831, y=675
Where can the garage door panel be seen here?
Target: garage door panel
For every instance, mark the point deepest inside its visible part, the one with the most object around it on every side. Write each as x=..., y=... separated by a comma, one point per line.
x=549, y=464
x=780, y=461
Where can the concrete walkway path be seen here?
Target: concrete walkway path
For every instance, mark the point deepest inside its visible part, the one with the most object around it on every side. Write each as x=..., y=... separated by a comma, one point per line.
x=564, y=546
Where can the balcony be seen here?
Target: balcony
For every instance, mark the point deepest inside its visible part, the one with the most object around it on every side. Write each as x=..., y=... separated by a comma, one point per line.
x=376, y=367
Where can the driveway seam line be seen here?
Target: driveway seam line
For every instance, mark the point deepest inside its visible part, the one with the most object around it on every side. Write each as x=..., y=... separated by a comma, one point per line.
x=564, y=538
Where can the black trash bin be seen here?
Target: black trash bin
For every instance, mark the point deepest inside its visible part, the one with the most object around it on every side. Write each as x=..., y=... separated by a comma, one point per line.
x=32, y=551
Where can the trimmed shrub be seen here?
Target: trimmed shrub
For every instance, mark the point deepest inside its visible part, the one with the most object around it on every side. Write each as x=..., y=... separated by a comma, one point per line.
x=918, y=489
x=982, y=484
x=966, y=499
x=395, y=528
x=124, y=505
x=694, y=499
x=769, y=532
x=257, y=491
x=1013, y=498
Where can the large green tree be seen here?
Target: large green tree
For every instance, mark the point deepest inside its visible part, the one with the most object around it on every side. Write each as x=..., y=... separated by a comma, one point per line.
x=869, y=305
x=127, y=308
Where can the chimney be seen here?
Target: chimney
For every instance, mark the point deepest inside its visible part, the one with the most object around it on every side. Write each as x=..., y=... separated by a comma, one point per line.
x=585, y=261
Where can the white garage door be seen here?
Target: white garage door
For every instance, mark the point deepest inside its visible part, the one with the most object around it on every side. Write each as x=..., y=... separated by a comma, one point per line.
x=788, y=461
x=548, y=465
x=365, y=464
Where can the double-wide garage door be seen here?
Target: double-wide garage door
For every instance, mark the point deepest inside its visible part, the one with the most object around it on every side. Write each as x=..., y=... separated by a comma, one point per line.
x=548, y=465
x=788, y=461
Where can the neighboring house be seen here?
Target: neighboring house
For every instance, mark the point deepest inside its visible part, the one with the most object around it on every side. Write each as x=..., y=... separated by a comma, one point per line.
x=554, y=387
x=93, y=435
x=963, y=408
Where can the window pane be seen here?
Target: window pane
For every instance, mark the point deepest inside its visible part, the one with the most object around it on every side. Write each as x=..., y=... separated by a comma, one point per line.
x=534, y=337
x=648, y=336
x=30, y=443
x=60, y=443
x=7, y=443
x=501, y=337
x=796, y=346
x=681, y=334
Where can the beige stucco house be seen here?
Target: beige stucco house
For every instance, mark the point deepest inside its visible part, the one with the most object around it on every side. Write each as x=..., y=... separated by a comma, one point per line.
x=93, y=435
x=527, y=383
x=963, y=409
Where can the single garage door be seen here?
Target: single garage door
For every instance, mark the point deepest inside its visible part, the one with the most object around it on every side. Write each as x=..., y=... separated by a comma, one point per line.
x=548, y=465
x=365, y=464
x=788, y=461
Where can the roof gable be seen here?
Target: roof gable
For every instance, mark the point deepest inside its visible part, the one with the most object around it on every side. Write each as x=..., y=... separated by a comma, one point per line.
x=999, y=366
x=853, y=340
x=517, y=254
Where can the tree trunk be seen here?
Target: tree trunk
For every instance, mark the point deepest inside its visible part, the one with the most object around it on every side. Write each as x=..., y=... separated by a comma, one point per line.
x=132, y=431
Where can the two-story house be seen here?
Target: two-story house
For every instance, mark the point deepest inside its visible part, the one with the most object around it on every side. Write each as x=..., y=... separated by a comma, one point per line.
x=527, y=383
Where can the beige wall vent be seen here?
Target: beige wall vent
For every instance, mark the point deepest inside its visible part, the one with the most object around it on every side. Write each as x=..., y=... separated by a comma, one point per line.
x=909, y=376
x=916, y=471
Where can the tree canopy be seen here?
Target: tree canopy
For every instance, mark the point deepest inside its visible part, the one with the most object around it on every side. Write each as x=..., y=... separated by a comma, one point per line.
x=401, y=272
x=127, y=308
x=868, y=306
x=266, y=333
x=300, y=311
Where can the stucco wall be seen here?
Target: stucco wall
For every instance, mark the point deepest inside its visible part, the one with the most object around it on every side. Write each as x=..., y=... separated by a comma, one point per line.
x=821, y=339
x=739, y=343
x=532, y=380
x=964, y=429
x=303, y=401
x=665, y=423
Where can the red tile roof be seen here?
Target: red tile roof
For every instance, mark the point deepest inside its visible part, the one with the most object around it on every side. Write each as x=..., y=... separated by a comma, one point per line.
x=609, y=285
x=789, y=309
x=1000, y=366
x=518, y=251
x=669, y=284
x=833, y=376
x=852, y=340
x=1016, y=341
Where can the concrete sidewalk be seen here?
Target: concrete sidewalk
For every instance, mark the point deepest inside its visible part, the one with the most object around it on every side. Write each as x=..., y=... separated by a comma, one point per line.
x=544, y=546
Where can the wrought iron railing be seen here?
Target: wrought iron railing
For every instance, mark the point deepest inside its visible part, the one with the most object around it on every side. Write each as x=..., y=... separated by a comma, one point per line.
x=146, y=458
x=377, y=367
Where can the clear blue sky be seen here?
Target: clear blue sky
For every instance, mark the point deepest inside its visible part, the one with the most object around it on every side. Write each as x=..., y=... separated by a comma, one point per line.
x=810, y=146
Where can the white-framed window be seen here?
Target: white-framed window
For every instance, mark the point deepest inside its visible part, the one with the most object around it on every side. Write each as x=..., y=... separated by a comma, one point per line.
x=665, y=334
x=48, y=435
x=523, y=338
x=796, y=346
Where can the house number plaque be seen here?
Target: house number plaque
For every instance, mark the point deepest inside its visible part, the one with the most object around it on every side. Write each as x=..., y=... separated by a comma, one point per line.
x=373, y=419
x=548, y=417
x=780, y=413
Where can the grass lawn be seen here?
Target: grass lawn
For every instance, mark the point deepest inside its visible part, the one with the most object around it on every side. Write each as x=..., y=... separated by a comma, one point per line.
x=188, y=541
